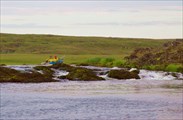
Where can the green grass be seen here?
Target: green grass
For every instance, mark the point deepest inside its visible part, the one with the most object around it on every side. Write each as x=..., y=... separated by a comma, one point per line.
x=105, y=61
x=174, y=67
x=19, y=59
x=170, y=68
x=52, y=44
x=34, y=49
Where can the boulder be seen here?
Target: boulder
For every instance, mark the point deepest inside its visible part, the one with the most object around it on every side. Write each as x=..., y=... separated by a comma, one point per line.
x=123, y=74
x=82, y=74
x=46, y=70
x=63, y=67
x=77, y=73
x=11, y=75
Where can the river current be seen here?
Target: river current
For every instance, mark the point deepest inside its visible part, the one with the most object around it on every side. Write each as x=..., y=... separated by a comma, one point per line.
x=143, y=99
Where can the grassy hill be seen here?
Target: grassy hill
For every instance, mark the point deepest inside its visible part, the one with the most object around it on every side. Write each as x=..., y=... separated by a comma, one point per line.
x=51, y=44
x=35, y=48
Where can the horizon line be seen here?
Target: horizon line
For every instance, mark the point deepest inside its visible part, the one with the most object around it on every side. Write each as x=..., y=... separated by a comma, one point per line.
x=90, y=36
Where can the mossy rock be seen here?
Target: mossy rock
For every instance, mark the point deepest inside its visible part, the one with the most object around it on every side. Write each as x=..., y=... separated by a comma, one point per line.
x=83, y=64
x=103, y=73
x=11, y=75
x=63, y=67
x=135, y=71
x=77, y=73
x=123, y=74
x=2, y=64
x=62, y=77
x=46, y=70
x=82, y=74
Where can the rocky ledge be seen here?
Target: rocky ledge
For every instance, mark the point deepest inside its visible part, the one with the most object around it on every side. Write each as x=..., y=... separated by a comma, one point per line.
x=77, y=73
x=11, y=75
x=124, y=74
x=46, y=74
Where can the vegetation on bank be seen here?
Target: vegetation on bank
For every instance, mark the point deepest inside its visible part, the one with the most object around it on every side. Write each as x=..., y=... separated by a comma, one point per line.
x=72, y=45
x=168, y=57
x=104, y=62
x=36, y=59
x=148, y=54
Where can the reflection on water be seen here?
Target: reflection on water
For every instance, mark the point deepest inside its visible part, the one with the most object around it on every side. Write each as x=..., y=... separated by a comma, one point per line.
x=112, y=99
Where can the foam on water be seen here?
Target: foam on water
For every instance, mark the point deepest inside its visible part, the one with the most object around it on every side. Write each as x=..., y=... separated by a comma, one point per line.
x=144, y=74
x=154, y=75
x=110, y=99
x=23, y=68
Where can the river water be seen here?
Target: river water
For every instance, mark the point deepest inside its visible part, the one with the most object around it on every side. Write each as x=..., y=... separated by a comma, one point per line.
x=143, y=99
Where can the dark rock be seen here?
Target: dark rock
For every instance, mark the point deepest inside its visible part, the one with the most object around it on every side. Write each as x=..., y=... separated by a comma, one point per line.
x=46, y=70
x=77, y=73
x=83, y=64
x=63, y=67
x=135, y=71
x=2, y=64
x=103, y=73
x=11, y=75
x=123, y=74
x=62, y=77
x=83, y=74
x=174, y=75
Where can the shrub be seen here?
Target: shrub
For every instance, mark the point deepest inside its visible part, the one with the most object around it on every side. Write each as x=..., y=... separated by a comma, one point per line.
x=174, y=68
x=119, y=63
x=106, y=61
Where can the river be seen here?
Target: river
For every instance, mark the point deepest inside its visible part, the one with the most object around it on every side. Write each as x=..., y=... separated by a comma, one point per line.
x=143, y=99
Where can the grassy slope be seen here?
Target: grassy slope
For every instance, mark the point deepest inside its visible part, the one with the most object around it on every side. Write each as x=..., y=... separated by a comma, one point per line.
x=18, y=59
x=32, y=49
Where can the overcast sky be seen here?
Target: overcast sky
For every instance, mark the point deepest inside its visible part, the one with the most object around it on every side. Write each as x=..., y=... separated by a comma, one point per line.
x=142, y=19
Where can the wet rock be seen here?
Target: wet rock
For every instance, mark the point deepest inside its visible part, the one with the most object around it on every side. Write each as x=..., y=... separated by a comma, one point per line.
x=103, y=73
x=135, y=71
x=83, y=64
x=83, y=74
x=77, y=73
x=11, y=75
x=123, y=74
x=2, y=64
x=46, y=70
x=62, y=77
x=63, y=67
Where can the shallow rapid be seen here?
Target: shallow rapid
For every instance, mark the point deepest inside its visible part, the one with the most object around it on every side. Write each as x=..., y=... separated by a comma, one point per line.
x=145, y=98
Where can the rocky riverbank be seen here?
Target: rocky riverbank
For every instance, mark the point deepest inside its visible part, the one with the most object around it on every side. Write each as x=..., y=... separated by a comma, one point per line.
x=59, y=72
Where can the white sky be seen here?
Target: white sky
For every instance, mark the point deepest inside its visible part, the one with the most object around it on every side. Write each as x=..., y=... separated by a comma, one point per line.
x=142, y=19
